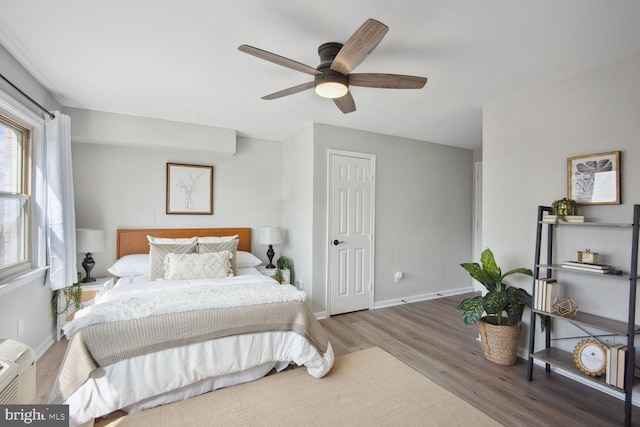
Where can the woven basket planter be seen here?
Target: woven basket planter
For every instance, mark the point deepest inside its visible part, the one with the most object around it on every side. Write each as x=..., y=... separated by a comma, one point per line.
x=499, y=342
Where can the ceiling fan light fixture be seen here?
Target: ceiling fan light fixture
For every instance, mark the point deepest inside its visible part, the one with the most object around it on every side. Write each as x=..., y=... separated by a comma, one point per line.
x=331, y=84
x=331, y=89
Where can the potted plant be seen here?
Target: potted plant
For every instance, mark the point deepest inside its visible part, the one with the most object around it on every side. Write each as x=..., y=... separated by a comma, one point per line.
x=563, y=208
x=72, y=295
x=284, y=270
x=499, y=333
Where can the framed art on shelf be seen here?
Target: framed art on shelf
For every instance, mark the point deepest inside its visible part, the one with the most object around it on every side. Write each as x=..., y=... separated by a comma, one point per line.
x=594, y=179
x=590, y=357
x=189, y=189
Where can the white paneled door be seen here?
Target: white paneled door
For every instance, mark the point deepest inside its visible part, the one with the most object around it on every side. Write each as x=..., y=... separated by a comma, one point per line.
x=351, y=202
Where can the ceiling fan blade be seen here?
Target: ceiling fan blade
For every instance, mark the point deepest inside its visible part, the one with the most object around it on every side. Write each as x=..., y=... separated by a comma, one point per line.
x=345, y=103
x=289, y=91
x=277, y=59
x=387, y=81
x=359, y=46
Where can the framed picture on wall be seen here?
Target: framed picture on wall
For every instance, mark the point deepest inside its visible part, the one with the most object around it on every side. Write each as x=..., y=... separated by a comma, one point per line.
x=594, y=179
x=189, y=189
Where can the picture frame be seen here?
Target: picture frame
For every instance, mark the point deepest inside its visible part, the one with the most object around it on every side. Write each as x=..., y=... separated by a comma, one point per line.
x=590, y=356
x=594, y=179
x=189, y=189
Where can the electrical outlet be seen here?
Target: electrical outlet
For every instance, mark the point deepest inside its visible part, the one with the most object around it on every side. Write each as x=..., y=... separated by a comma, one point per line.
x=299, y=284
x=20, y=327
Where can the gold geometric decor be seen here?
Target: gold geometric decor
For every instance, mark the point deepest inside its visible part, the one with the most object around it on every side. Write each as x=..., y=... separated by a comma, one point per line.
x=565, y=306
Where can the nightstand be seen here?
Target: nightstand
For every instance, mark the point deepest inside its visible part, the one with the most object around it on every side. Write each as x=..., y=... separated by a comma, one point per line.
x=286, y=275
x=90, y=291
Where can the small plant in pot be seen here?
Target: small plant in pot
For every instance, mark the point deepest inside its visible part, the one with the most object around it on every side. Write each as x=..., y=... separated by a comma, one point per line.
x=284, y=270
x=563, y=208
x=499, y=333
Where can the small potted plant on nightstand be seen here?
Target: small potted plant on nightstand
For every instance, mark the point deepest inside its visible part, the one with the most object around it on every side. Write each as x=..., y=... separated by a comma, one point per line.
x=284, y=270
x=499, y=334
x=72, y=295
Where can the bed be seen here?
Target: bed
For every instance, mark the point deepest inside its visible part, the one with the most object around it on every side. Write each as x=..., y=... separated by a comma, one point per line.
x=189, y=321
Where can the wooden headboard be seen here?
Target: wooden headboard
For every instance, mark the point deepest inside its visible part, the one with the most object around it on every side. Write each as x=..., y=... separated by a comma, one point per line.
x=134, y=241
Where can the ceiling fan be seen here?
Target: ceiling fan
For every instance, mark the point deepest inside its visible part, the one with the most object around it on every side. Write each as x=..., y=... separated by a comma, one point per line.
x=333, y=77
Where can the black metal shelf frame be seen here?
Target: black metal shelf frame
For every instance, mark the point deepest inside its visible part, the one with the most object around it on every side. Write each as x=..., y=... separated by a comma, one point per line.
x=552, y=356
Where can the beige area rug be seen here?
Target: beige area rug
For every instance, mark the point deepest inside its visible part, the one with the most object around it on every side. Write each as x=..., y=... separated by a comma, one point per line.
x=369, y=387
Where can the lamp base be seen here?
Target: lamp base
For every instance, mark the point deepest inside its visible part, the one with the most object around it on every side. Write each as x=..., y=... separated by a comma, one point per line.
x=270, y=254
x=88, y=263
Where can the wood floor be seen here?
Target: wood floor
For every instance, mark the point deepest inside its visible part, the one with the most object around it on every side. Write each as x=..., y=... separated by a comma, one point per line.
x=431, y=337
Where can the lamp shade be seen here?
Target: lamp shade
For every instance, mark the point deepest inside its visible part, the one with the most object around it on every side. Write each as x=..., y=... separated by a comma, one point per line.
x=89, y=240
x=270, y=236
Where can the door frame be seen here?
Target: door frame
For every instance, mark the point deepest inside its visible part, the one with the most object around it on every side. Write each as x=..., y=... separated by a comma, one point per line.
x=477, y=219
x=372, y=159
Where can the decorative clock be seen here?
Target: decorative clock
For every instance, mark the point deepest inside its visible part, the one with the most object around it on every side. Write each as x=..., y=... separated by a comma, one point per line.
x=590, y=356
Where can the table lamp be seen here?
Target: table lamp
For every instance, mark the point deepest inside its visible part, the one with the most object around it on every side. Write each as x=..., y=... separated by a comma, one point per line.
x=89, y=240
x=270, y=236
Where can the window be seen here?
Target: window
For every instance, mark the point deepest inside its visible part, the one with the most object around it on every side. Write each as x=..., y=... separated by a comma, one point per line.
x=15, y=198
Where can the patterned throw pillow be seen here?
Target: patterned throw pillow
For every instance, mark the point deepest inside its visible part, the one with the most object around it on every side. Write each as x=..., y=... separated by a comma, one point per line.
x=210, y=265
x=231, y=246
x=158, y=252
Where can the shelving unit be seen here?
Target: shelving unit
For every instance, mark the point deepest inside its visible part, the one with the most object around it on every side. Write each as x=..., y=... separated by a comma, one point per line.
x=553, y=356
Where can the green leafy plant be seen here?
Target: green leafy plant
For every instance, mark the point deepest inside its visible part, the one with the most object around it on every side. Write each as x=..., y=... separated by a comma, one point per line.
x=72, y=294
x=283, y=263
x=500, y=298
x=563, y=208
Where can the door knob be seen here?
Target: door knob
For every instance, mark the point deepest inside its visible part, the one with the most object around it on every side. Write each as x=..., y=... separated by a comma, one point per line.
x=336, y=242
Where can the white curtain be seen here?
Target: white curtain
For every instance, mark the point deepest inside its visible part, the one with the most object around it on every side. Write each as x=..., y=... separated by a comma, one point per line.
x=61, y=220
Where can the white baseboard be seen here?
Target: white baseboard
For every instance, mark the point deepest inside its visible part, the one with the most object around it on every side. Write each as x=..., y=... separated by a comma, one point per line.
x=406, y=300
x=43, y=347
x=321, y=315
x=422, y=297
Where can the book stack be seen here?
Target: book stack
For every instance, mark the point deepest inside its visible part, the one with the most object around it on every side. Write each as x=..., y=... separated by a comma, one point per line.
x=567, y=218
x=545, y=290
x=616, y=357
x=592, y=268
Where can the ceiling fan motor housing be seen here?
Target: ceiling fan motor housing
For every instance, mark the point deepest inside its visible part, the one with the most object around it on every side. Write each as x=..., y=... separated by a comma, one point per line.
x=327, y=53
x=330, y=76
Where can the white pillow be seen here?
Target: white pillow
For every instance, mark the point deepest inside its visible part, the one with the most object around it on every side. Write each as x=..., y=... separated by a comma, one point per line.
x=247, y=260
x=197, y=266
x=168, y=241
x=216, y=239
x=130, y=265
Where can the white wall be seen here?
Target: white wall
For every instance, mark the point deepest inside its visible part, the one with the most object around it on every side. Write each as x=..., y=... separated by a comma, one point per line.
x=297, y=208
x=125, y=187
x=98, y=127
x=423, y=214
x=526, y=142
x=30, y=301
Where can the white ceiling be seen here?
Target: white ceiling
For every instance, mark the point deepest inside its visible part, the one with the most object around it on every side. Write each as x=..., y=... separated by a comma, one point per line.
x=178, y=59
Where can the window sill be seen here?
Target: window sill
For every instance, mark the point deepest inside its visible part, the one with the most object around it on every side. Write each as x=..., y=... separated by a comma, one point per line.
x=11, y=283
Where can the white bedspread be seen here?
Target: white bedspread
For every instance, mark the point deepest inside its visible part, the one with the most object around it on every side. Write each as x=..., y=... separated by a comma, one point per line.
x=141, y=299
x=177, y=373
